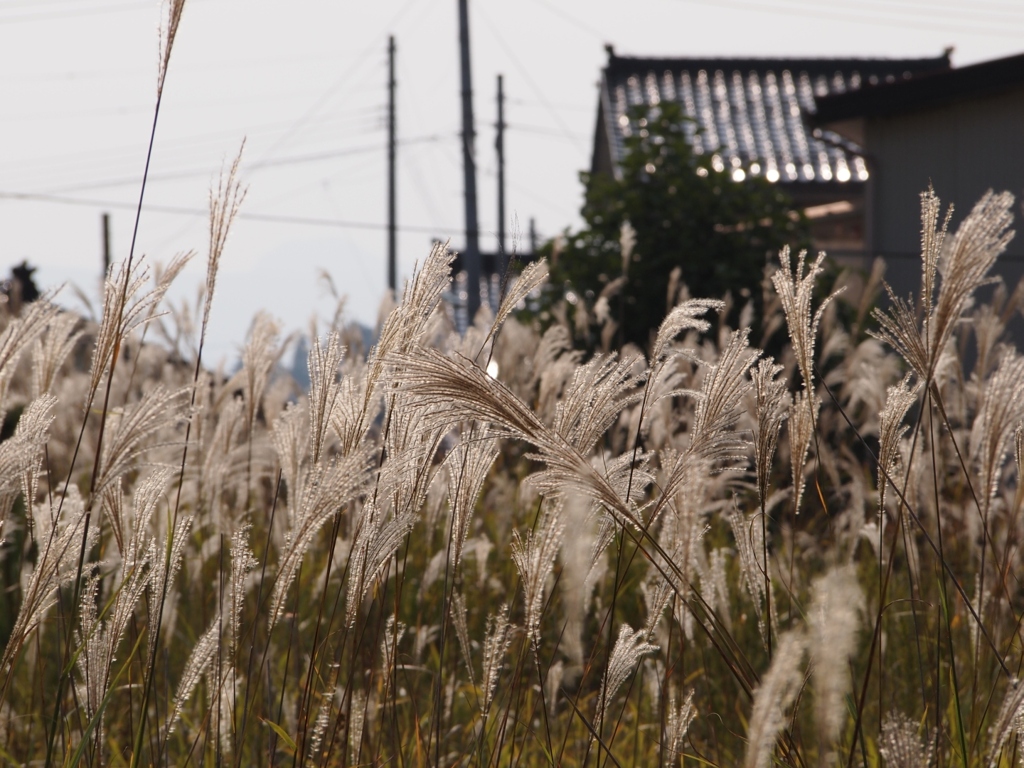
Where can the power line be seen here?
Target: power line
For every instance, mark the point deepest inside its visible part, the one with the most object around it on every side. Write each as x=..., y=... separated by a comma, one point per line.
x=173, y=147
x=66, y=13
x=589, y=108
x=7, y=4
x=526, y=76
x=572, y=20
x=186, y=211
x=361, y=59
x=990, y=7
x=82, y=176
x=121, y=110
x=898, y=9
x=532, y=193
x=193, y=173
x=409, y=161
x=575, y=138
x=911, y=18
x=950, y=12
x=120, y=73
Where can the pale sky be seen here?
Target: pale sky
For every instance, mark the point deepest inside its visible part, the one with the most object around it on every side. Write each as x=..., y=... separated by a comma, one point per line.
x=304, y=83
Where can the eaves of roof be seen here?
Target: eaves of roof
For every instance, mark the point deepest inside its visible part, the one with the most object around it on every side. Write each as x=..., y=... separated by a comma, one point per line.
x=922, y=91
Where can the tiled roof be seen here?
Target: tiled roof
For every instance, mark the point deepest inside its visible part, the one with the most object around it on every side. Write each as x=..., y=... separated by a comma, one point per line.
x=748, y=113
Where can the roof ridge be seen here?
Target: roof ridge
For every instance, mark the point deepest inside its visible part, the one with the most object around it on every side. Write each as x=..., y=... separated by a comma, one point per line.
x=884, y=59
x=941, y=59
x=915, y=66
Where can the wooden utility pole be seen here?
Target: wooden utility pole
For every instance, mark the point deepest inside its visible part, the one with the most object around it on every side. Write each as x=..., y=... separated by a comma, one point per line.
x=392, y=226
x=471, y=256
x=106, y=246
x=499, y=145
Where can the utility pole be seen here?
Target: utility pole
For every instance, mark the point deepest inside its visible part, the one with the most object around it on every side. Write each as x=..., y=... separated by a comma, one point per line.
x=499, y=145
x=392, y=240
x=471, y=256
x=106, y=246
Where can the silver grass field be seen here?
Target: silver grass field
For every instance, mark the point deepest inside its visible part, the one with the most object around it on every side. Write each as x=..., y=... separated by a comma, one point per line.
x=489, y=549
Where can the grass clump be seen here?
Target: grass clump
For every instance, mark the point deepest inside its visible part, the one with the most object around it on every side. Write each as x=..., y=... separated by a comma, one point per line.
x=483, y=549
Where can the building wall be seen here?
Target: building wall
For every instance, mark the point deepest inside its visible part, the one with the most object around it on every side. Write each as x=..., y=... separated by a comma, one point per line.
x=962, y=149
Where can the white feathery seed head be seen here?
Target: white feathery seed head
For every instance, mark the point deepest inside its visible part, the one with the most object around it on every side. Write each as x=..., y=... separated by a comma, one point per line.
x=323, y=365
x=833, y=620
x=203, y=654
x=534, y=555
x=891, y=430
x=629, y=649
x=749, y=537
x=687, y=316
x=326, y=492
x=459, y=619
x=468, y=466
x=1008, y=721
x=357, y=725
x=497, y=639
x=900, y=745
x=532, y=277
x=323, y=717
x=1002, y=409
x=773, y=698
x=803, y=415
x=795, y=287
x=771, y=402
x=680, y=715
x=225, y=202
x=52, y=349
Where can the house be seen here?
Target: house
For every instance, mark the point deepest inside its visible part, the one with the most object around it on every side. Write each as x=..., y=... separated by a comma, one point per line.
x=959, y=130
x=751, y=116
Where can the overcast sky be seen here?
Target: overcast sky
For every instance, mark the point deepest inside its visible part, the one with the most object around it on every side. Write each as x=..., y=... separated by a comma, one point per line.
x=304, y=83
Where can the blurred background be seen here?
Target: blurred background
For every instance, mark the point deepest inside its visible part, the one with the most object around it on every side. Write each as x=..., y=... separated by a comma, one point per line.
x=305, y=84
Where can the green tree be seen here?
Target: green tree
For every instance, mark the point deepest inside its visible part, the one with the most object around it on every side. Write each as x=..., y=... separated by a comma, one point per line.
x=719, y=226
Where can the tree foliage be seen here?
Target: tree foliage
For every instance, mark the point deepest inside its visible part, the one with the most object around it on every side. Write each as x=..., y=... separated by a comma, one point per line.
x=719, y=224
